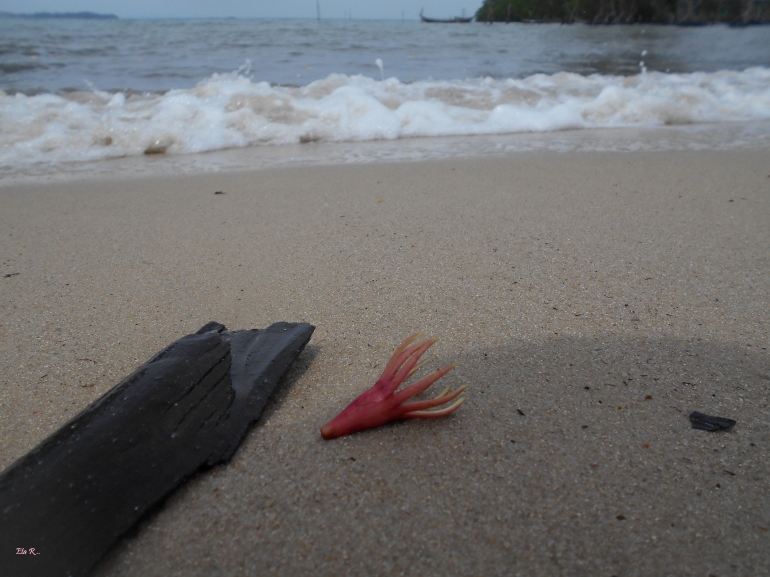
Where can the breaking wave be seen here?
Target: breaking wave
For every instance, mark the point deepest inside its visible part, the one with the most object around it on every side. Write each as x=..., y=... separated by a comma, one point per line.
x=231, y=110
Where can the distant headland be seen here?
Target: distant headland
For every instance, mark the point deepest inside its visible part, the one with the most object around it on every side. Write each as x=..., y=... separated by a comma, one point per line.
x=677, y=12
x=64, y=15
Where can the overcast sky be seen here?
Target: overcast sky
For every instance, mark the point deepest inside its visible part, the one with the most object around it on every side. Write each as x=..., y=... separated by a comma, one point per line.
x=367, y=9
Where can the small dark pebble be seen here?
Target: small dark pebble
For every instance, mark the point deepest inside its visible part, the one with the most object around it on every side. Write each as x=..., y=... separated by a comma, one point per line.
x=731, y=200
x=709, y=423
x=585, y=426
x=219, y=192
x=10, y=274
x=520, y=412
x=620, y=518
x=588, y=388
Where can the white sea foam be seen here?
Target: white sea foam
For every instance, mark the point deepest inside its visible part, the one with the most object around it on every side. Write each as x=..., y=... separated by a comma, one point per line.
x=230, y=110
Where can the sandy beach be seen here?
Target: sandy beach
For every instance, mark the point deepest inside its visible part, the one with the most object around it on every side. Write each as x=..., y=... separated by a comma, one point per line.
x=592, y=300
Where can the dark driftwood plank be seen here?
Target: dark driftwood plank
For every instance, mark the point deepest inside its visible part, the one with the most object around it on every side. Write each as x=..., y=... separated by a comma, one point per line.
x=73, y=496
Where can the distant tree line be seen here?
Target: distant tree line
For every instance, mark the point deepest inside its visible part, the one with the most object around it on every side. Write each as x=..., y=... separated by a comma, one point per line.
x=681, y=12
x=60, y=15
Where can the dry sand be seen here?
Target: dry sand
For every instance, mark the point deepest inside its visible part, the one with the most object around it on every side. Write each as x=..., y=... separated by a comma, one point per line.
x=592, y=300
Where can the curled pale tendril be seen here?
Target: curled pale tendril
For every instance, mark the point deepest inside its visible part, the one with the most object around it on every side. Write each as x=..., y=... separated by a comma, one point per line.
x=383, y=403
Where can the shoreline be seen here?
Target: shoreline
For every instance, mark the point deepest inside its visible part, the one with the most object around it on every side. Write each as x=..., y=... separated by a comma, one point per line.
x=714, y=136
x=604, y=295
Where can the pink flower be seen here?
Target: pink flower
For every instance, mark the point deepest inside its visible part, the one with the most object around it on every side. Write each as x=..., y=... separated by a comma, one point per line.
x=382, y=404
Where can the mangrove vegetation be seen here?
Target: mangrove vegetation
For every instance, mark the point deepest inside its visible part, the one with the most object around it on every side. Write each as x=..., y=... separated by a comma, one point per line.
x=680, y=12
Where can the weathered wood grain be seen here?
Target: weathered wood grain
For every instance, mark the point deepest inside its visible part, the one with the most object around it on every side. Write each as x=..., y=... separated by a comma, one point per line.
x=184, y=410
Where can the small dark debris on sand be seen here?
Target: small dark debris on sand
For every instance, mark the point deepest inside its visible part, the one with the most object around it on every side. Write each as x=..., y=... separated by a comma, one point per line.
x=10, y=274
x=219, y=192
x=709, y=423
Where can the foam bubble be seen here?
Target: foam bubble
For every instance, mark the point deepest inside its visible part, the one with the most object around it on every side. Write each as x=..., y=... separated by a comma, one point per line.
x=230, y=110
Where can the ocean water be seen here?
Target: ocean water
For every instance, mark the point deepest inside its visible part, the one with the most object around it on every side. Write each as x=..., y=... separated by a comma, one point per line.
x=82, y=91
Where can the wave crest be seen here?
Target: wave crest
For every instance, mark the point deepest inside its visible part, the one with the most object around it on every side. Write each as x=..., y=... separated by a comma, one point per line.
x=230, y=110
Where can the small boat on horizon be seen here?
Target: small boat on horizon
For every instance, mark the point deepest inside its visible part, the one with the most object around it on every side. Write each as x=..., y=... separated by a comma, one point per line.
x=455, y=20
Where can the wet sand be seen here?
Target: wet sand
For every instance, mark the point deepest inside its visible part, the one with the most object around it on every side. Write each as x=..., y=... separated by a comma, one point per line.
x=593, y=300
